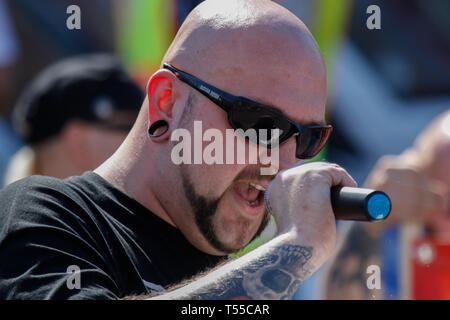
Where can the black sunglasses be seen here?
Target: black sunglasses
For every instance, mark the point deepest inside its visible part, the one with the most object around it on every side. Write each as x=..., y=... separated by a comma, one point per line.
x=246, y=114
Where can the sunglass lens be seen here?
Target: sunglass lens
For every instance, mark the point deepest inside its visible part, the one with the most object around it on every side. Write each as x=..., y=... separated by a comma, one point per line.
x=311, y=141
x=269, y=128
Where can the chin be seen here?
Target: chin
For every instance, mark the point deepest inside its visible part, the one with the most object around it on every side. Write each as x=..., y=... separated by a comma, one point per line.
x=239, y=241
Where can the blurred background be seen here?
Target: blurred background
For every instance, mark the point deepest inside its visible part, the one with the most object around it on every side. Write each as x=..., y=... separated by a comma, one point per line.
x=385, y=85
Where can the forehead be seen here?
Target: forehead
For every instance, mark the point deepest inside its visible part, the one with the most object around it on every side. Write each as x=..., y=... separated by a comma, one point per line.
x=279, y=66
x=300, y=96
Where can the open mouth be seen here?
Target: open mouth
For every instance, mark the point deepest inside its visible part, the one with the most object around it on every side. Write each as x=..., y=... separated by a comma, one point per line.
x=259, y=192
x=251, y=195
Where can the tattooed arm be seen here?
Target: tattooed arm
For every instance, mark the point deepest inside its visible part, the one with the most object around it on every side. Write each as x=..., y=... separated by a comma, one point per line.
x=299, y=199
x=272, y=271
x=347, y=272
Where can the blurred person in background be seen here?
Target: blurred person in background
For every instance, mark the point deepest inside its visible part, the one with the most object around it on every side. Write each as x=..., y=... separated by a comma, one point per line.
x=418, y=182
x=43, y=36
x=73, y=116
x=33, y=35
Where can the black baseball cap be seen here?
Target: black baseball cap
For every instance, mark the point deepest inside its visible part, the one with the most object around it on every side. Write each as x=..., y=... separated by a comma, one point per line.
x=91, y=88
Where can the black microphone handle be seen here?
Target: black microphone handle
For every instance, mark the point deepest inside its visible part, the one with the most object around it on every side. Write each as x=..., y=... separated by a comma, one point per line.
x=359, y=204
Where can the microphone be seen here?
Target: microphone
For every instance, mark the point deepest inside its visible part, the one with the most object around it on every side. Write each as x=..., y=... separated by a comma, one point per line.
x=359, y=204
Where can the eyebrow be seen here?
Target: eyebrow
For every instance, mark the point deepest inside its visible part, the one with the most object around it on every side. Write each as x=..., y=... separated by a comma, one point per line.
x=271, y=106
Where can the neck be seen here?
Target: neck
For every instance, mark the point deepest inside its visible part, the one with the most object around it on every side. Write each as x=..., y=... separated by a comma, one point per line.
x=130, y=171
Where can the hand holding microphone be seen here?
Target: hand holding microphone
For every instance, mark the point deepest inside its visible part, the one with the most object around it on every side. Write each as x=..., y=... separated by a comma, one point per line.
x=298, y=198
x=347, y=201
x=305, y=205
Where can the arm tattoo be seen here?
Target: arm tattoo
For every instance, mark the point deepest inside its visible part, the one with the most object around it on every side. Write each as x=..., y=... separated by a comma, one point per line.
x=275, y=275
x=347, y=277
x=279, y=275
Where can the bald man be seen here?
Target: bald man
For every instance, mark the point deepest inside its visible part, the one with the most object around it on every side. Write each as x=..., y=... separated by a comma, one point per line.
x=418, y=183
x=142, y=223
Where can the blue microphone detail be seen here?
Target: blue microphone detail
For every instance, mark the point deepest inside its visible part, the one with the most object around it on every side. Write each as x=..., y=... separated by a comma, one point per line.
x=378, y=206
x=359, y=204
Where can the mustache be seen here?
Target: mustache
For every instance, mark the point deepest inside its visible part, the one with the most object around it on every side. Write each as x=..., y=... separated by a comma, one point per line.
x=249, y=173
x=253, y=173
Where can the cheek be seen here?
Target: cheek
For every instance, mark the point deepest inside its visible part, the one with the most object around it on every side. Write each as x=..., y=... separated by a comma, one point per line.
x=212, y=181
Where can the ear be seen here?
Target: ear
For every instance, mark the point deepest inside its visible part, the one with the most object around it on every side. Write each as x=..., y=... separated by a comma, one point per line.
x=161, y=96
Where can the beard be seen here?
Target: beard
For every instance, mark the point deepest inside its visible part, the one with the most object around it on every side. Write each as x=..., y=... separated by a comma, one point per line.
x=205, y=210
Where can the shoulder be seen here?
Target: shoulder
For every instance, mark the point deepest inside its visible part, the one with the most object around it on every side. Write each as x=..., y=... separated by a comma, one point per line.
x=33, y=182
x=38, y=199
x=46, y=227
x=33, y=189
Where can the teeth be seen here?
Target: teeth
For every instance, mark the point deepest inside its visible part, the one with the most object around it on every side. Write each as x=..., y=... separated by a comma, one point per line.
x=257, y=187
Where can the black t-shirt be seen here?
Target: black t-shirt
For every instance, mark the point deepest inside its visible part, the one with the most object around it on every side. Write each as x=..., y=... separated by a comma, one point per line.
x=50, y=227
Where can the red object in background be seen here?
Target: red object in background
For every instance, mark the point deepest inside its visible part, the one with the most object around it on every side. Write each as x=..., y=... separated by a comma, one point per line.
x=430, y=269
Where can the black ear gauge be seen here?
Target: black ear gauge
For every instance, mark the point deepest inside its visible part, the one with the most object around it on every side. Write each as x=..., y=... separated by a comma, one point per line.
x=157, y=125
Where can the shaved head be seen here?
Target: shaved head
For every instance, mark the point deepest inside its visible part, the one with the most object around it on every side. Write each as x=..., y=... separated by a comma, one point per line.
x=219, y=31
x=249, y=41
x=251, y=48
